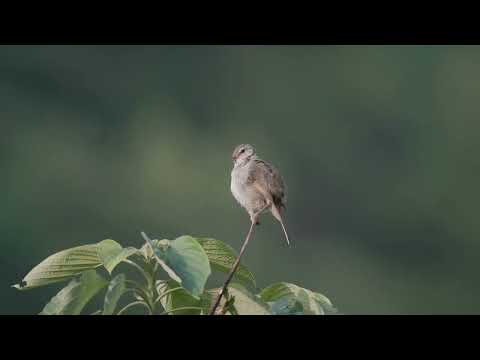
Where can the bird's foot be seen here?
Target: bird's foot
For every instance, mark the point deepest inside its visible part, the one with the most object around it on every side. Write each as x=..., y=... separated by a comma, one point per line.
x=254, y=220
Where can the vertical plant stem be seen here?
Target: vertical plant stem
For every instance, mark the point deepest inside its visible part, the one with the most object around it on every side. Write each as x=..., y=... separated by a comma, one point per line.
x=234, y=268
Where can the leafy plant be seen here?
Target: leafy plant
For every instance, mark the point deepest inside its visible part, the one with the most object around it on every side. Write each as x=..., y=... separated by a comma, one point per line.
x=180, y=289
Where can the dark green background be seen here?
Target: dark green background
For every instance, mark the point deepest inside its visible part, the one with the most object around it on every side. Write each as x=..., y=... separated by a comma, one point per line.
x=379, y=147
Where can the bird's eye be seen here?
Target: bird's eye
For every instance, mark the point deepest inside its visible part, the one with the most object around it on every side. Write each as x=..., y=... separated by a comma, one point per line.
x=242, y=151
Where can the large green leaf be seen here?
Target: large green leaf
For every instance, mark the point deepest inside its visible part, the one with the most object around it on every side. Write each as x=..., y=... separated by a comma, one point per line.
x=111, y=253
x=222, y=256
x=173, y=296
x=313, y=303
x=286, y=306
x=72, y=299
x=116, y=289
x=68, y=263
x=246, y=303
x=185, y=261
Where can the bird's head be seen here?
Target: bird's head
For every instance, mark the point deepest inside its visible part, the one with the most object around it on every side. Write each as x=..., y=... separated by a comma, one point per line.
x=242, y=153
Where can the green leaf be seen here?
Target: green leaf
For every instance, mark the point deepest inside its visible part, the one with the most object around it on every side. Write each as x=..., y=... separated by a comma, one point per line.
x=68, y=263
x=177, y=297
x=185, y=261
x=116, y=289
x=313, y=303
x=146, y=249
x=286, y=306
x=222, y=256
x=325, y=303
x=72, y=299
x=113, y=254
x=246, y=303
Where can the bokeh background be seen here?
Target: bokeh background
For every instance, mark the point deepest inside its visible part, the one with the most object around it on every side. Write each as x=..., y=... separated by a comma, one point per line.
x=379, y=147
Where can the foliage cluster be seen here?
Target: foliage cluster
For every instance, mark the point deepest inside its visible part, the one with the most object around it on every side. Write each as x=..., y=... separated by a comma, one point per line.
x=173, y=281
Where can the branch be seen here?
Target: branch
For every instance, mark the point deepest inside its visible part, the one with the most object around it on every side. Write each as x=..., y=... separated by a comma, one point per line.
x=234, y=269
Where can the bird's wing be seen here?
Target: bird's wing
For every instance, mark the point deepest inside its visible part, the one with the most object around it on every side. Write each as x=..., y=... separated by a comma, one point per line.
x=267, y=179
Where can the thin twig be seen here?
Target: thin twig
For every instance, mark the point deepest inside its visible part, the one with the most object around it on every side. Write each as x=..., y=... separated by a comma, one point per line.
x=234, y=268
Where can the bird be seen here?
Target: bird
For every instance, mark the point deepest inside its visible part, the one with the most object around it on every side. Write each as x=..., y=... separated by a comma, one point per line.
x=257, y=185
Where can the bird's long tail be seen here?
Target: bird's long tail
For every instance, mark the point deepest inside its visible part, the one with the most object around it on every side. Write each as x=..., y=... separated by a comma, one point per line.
x=278, y=216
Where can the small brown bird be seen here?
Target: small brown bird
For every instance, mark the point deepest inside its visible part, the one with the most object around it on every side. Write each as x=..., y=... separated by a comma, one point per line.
x=257, y=185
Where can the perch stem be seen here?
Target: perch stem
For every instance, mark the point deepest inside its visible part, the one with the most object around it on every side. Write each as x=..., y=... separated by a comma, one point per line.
x=234, y=268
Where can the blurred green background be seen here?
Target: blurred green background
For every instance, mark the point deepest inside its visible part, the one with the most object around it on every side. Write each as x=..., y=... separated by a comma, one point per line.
x=378, y=145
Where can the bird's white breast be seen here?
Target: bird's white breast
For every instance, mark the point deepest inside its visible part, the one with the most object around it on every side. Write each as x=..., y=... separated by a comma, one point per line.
x=238, y=185
x=246, y=195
